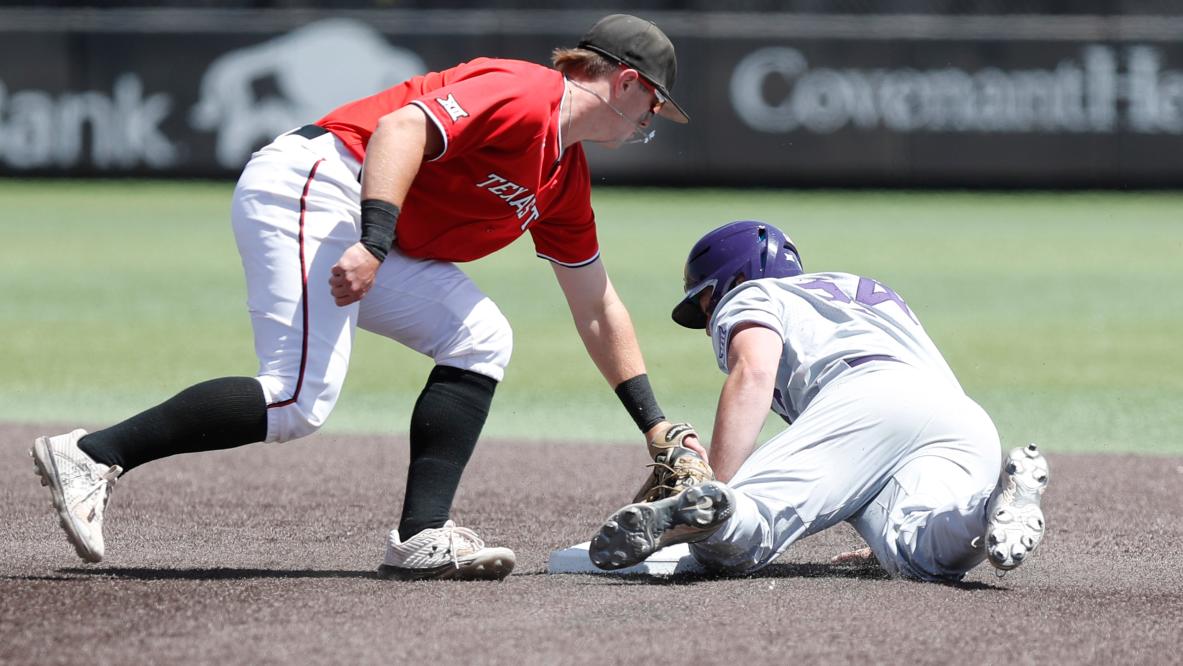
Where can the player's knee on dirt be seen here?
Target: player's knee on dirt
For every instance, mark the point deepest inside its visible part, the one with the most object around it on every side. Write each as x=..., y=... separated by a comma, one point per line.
x=483, y=345
x=289, y=419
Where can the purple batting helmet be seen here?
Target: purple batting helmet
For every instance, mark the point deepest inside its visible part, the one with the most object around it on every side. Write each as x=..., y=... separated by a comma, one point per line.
x=746, y=249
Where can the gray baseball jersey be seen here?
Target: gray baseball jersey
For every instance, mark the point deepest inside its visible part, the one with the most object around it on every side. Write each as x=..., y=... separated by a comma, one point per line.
x=825, y=319
x=895, y=448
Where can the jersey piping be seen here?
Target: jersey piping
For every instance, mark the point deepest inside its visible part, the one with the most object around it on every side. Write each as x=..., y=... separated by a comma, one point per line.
x=568, y=265
x=438, y=125
x=303, y=293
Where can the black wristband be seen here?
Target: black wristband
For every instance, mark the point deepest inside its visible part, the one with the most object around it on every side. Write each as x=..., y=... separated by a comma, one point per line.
x=637, y=396
x=378, y=218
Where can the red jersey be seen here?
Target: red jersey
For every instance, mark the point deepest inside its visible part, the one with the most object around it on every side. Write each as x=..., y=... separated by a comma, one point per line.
x=502, y=170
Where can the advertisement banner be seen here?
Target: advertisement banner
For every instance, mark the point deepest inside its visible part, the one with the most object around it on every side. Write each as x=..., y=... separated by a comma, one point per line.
x=103, y=99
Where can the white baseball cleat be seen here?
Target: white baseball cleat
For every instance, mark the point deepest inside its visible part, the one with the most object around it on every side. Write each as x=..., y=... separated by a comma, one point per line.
x=80, y=488
x=638, y=530
x=447, y=552
x=1015, y=524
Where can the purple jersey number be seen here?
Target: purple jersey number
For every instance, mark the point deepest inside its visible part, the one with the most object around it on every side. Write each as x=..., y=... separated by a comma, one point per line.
x=869, y=292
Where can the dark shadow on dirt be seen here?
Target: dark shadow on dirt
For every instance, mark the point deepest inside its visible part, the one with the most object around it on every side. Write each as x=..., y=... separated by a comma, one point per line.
x=797, y=570
x=810, y=570
x=815, y=570
x=56, y=579
x=215, y=573
x=774, y=571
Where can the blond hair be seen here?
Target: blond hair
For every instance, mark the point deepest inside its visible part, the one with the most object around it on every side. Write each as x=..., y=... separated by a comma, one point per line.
x=582, y=64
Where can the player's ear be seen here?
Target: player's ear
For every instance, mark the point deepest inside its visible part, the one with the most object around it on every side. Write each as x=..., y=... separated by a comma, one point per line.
x=624, y=78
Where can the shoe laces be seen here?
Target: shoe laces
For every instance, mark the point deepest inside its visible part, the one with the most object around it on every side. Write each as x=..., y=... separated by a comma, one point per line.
x=664, y=473
x=110, y=476
x=460, y=537
x=86, y=474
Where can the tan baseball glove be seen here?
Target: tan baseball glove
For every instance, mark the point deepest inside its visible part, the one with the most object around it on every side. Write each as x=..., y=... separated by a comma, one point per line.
x=675, y=467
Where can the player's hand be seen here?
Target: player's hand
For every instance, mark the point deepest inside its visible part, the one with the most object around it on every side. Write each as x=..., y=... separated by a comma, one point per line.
x=690, y=441
x=860, y=556
x=353, y=275
x=677, y=462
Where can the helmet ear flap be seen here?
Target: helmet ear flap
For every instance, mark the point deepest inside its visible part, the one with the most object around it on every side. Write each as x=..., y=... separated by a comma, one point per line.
x=723, y=290
x=728, y=255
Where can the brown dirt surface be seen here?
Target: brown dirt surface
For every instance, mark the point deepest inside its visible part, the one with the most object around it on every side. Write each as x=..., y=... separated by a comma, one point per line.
x=266, y=554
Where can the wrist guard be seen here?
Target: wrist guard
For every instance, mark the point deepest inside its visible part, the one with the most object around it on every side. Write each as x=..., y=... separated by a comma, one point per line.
x=638, y=399
x=378, y=219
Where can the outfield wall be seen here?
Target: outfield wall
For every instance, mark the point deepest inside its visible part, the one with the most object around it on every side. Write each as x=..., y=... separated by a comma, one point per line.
x=775, y=99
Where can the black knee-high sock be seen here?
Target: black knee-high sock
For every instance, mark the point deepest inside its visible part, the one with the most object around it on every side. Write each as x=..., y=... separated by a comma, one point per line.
x=445, y=425
x=218, y=414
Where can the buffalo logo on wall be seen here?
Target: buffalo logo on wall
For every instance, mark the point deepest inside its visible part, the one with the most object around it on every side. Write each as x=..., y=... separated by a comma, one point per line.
x=251, y=95
x=1105, y=90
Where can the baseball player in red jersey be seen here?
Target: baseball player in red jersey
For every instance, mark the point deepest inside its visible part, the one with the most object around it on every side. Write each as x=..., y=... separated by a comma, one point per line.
x=357, y=220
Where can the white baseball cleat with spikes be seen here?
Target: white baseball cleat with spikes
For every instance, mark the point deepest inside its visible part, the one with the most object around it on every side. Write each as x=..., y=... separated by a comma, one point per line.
x=1015, y=524
x=80, y=488
x=638, y=530
x=448, y=552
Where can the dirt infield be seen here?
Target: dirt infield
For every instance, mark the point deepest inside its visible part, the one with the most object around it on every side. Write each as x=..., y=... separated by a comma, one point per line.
x=266, y=554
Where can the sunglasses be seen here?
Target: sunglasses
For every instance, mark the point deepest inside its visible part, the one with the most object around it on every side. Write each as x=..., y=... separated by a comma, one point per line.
x=661, y=100
x=647, y=85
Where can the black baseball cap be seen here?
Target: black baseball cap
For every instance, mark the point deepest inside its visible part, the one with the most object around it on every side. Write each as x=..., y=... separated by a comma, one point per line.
x=642, y=46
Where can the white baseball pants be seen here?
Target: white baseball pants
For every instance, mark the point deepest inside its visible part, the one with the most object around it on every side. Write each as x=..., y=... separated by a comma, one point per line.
x=295, y=211
x=907, y=459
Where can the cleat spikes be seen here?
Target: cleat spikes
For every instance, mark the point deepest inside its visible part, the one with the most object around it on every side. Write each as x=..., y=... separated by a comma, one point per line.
x=631, y=518
x=1016, y=522
x=638, y=530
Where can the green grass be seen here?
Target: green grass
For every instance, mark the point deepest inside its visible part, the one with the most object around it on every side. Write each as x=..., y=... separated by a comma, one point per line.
x=1061, y=313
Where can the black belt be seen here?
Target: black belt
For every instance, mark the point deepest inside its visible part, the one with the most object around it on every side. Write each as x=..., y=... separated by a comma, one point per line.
x=859, y=360
x=310, y=131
